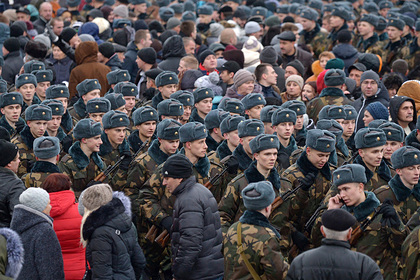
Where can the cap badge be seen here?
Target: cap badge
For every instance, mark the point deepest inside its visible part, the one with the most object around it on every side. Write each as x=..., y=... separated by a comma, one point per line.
x=97, y=106
x=176, y=132
x=13, y=98
x=287, y=115
x=188, y=100
x=125, y=74
x=378, y=138
x=132, y=89
x=26, y=78
x=271, y=139
x=350, y=112
x=56, y=109
x=207, y=92
x=339, y=110
x=61, y=91
x=170, y=78
x=96, y=82
x=151, y=113
x=166, y=173
x=44, y=76
x=180, y=107
x=121, y=119
x=259, y=98
x=237, y=107
x=389, y=133
x=415, y=156
x=328, y=145
x=298, y=109
x=43, y=113
x=258, y=128
x=204, y=130
x=338, y=176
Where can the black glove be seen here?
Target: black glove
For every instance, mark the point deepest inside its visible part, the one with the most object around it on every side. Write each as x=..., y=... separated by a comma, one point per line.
x=30, y=164
x=125, y=163
x=307, y=181
x=67, y=142
x=283, y=160
x=167, y=223
x=93, y=182
x=232, y=165
x=389, y=215
x=50, y=33
x=300, y=240
x=20, y=126
x=149, y=93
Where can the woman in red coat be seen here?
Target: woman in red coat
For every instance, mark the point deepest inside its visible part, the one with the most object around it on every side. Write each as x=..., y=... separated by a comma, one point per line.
x=67, y=221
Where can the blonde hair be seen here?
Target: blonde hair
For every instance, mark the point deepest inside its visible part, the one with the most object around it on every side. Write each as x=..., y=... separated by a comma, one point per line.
x=328, y=54
x=85, y=215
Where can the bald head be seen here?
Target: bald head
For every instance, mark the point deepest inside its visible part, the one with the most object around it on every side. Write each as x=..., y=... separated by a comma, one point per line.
x=228, y=37
x=46, y=10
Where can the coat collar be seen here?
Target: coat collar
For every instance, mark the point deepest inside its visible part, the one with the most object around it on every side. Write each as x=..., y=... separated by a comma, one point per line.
x=329, y=91
x=290, y=148
x=252, y=217
x=45, y=167
x=106, y=147
x=383, y=170
x=305, y=166
x=364, y=209
x=156, y=100
x=244, y=160
x=135, y=142
x=342, y=147
x=80, y=108
x=202, y=166
x=252, y=175
x=223, y=150
x=185, y=185
x=156, y=153
x=66, y=121
x=401, y=191
x=27, y=137
x=6, y=125
x=60, y=134
x=211, y=143
x=195, y=117
x=81, y=159
x=309, y=35
x=411, y=138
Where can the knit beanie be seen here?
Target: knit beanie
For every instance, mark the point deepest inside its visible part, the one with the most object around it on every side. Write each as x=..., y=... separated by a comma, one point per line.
x=106, y=49
x=177, y=166
x=148, y=55
x=121, y=10
x=297, y=79
x=252, y=45
x=35, y=198
x=96, y=196
x=241, y=77
x=378, y=111
x=68, y=33
x=11, y=44
x=268, y=55
x=369, y=74
x=8, y=151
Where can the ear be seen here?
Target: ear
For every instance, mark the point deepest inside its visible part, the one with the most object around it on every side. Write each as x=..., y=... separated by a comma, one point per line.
x=28, y=123
x=188, y=145
x=241, y=141
x=322, y=231
x=57, y=158
x=231, y=74
x=246, y=112
x=256, y=156
x=398, y=170
x=308, y=150
x=349, y=234
x=361, y=187
x=361, y=153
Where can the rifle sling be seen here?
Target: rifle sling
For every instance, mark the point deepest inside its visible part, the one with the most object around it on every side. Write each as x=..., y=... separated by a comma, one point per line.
x=242, y=253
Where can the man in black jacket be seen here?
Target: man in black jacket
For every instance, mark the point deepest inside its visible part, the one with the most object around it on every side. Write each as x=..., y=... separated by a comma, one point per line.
x=196, y=232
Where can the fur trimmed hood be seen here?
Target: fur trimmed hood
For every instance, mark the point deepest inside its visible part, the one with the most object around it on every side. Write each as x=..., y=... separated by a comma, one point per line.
x=15, y=252
x=81, y=160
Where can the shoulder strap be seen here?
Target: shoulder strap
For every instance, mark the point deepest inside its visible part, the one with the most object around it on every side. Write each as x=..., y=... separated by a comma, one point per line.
x=241, y=251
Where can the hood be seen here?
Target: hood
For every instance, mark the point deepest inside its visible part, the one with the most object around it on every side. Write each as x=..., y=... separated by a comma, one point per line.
x=4, y=31
x=316, y=68
x=395, y=104
x=173, y=47
x=25, y=218
x=114, y=61
x=86, y=52
x=15, y=252
x=91, y=29
x=61, y=202
x=344, y=51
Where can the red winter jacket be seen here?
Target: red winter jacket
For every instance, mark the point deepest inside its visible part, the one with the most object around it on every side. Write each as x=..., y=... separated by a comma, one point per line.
x=67, y=221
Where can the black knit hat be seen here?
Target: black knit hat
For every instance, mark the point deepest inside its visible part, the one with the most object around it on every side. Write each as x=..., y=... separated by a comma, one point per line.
x=68, y=33
x=177, y=166
x=106, y=49
x=36, y=49
x=204, y=55
x=8, y=151
x=148, y=55
x=337, y=219
x=298, y=66
x=11, y=44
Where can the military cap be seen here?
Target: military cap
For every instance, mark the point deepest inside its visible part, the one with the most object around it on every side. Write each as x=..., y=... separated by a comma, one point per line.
x=338, y=219
x=57, y=108
x=43, y=75
x=114, y=119
x=145, y=114
x=87, y=128
x=418, y=26
x=138, y=2
x=371, y=19
x=267, y=112
x=332, y=112
x=385, y=5
x=309, y=13
x=3, y=86
x=166, y=13
x=287, y=36
x=192, y=131
x=334, y=77
x=294, y=7
x=214, y=118
x=170, y=107
x=332, y=126
x=11, y=98
x=283, y=115
x=397, y=23
x=177, y=7
x=405, y=156
x=188, y=16
x=328, y=7
x=316, y=4
x=283, y=9
x=377, y=123
x=264, y=142
x=184, y=96
x=87, y=86
x=351, y=113
x=295, y=105
x=259, y=195
x=393, y=131
x=230, y=123
x=232, y=105
x=369, y=138
x=341, y=12
x=253, y=99
x=166, y=78
x=409, y=21
x=205, y=10
x=202, y=93
x=121, y=23
x=98, y=105
x=24, y=79
x=126, y=89
x=320, y=140
x=349, y=173
x=117, y=76
x=259, y=11
x=57, y=91
x=46, y=147
x=381, y=23
x=370, y=7
x=250, y=127
x=168, y=129
x=153, y=73
x=116, y=99
x=33, y=65
x=38, y=112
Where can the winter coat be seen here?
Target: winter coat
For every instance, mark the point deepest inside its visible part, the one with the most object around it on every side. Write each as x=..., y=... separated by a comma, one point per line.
x=303, y=56
x=333, y=260
x=173, y=50
x=40, y=24
x=11, y=254
x=196, y=233
x=114, y=63
x=92, y=29
x=67, y=221
x=112, y=249
x=43, y=259
x=12, y=64
x=4, y=35
x=129, y=63
x=10, y=189
x=347, y=53
x=88, y=68
x=62, y=68
x=394, y=106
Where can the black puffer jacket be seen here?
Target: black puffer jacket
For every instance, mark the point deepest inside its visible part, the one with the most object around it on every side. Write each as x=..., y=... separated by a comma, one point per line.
x=112, y=250
x=333, y=260
x=10, y=189
x=196, y=233
x=173, y=50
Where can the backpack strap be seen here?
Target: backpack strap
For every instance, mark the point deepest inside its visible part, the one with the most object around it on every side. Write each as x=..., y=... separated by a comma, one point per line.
x=242, y=253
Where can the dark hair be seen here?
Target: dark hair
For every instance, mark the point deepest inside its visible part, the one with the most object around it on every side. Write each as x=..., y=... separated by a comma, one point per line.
x=56, y=182
x=271, y=33
x=392, y=81
x=187, y=28
x=400, y=66
x=344, y=36
x=260, y=70
x=313, y=85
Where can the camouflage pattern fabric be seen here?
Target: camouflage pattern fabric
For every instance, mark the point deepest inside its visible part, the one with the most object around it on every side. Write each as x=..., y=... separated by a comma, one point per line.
x=410, y=261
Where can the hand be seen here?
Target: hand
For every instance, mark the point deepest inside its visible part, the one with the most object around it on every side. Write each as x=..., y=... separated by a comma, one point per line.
x=125, y=163
x=67, y=142
x=307, y=181
x=300, y=240
x=335, y=202
x=283, y=160
x=20, y=126
x=232, y=165
x=50, y=33
x=389, y=215
x=167, y=223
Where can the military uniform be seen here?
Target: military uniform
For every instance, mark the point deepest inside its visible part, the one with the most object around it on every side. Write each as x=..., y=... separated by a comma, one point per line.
x=24, y=142
x=411, y=54
x=328, y=96
x=315, y=39
x=38, y=174
x=410, y=261
x=78, y=110
x=12, y=131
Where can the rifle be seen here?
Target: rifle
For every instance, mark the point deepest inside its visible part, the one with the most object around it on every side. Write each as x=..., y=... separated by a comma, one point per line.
x=216, y=177
x=358, y=231
x=351, y=159
x=282, y=198
x=139, y=150
x=109, y=170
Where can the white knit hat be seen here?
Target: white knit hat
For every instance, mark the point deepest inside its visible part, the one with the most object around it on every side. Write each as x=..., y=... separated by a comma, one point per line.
x=35, y=198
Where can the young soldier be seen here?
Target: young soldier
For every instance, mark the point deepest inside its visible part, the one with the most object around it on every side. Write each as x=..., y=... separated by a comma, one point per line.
x=203, y=98
x=53, y=125
x=33, y=65
x=145, y=119
x=82, y=164
x=186, y=98
x=233, y=106
x=97, y=107
x=167, y=83
x=46, y=150
x=342, y=153
x=262, y=250
x=349, y=125
x=170, y=109
x=25, y=85
x=300, y=130
x=394, y=140
x=61, y=93
x=253, y=104
x=129, y=92
x=212, y=122
x=117, y=76
x=36, y=117
x=117, y=102
x=87, y=90
x=283, y=121
x=43, y=79
x=11, y=107
x=265, y=117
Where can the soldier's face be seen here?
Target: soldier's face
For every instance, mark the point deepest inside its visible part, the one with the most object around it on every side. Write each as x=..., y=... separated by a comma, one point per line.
x=97, y=117
x=409, y=175
x=348, y=127
x=365, y=28
x=352, y=193
x=90, y=95
x=285, y=130
x=54, y=123
x=147, y=129
x=169, y=147
x=167, y=90
x=130, y=101
x=175, y=118
x=64, y=101
x=393, y=33
x=307, y=24
x=336, y=21
x=299, y=122
x=116, y=135
x=266, y=158
x=198, y=147
x=254, y=112
x=12, y=112
x=406, y=112
x=317, y=158
x=204, y=106
x=27, y=91
x=93, y=143
x=37, y=127
x=390, y=148
x=171, y=183
x=187, y=113
x=245, y=143
x=233, y=138
x=41, y=88
x=372, y=156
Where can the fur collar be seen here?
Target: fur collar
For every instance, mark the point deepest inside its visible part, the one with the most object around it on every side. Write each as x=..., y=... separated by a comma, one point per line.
x=309, y=35
x=305, y=166
x=243, y=158
x=341, y=146
x=223, y=150
x=66, y=121
x=195, y=117
x=202, y=166
x=401, y=191
x=27, y=137
x=80, y=158
x=331, y=92
x=364, y=209
x=411, y=138
x=351, y=144
x=253, y=175
x=255, y=218
x=135, y=142
x=80, y=108
x=211, y=143
x=156, y=100
x=383, y=170
x=156, y=153
x=6, y=125
x=15, y=252
x=106, y=147
x=101, y=216
x=45, y=167
x=125, y=201
x=290, y=148
x=333, y=158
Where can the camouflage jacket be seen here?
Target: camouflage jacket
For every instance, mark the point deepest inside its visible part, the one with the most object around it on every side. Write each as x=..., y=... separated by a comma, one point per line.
x=24, y=141
x=12, y=131
x=370, y=45
x=314, y=39
x=78, y=110
x=80, y=169
x=410, y=261
x=328, y=96
x=39, y=173
x=231, y=206
x=391, y=52
x=261, y=245
x=135, y=142
x=411, y=54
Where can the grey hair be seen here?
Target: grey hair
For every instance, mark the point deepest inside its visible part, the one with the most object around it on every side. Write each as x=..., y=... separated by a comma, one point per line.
x=337, y=235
